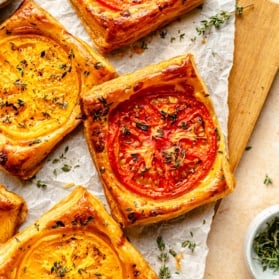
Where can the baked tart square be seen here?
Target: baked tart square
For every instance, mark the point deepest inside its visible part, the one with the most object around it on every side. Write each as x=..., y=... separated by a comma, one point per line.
x=44, y=69
x=77, y=238
x=156, y=141
x=114, y=23
x=13, y=212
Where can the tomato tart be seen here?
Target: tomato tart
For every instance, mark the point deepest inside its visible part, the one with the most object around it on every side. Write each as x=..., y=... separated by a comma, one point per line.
x=156, y=141
x=116, y=23
x=44, y=69
x=13, y=212
x=77, y=238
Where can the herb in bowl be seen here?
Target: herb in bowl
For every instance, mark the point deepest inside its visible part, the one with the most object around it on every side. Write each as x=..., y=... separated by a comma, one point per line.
x=266, y=245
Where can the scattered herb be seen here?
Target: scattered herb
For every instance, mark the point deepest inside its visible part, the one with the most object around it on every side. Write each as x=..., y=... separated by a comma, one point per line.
x=266, y=245
x=144, y=45
x=58, y=224
x=163, y=33
x=189, y=244
x=239, y=9
x=37, y=226
x=41, y=184
x=267, y=180
x=59, y=270
x=247, y=148
x=219, y=19
x=20, y=84
x=82, y=270
x=172, y=252
x=164, y=272
x=36, y=141
x=142, y=126
x=98, y=65
x=66, y=168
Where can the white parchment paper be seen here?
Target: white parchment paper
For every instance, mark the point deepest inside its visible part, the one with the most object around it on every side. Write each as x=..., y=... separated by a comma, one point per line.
x=214, y=60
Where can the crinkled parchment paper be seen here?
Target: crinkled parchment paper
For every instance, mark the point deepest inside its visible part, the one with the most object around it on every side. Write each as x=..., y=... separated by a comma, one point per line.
x=214, y=60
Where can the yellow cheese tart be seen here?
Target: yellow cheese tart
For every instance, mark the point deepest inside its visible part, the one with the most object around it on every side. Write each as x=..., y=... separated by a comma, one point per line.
x=44, y=69
x=77, y=238
x=13, y=211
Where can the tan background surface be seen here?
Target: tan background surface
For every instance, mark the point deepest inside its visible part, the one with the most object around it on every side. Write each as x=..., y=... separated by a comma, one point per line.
x=225, y=259
x=255, y=111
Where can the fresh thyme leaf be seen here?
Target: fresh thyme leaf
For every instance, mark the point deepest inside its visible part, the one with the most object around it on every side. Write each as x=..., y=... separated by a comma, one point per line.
x=59, y=270
x=164, y=272
x=267, y=180
x=66, y=168
x=189, y=244
x=247, y=148
x=160, y=243
x=41, y=184
x=172, y=252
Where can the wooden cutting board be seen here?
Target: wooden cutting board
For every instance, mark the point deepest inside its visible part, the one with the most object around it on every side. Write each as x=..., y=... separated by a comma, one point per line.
x=256, y=62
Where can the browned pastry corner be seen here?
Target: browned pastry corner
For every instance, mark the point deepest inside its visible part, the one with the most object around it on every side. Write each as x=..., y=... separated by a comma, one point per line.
x=77, y=238
x=13, y=211
x=114, y=23
x=157, y=143
x=44, y=69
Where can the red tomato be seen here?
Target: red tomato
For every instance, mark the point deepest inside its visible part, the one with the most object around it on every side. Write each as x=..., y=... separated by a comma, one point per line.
x=161, y=144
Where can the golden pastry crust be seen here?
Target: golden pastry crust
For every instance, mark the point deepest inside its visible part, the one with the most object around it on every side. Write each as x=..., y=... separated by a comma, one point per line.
x=156, y=141
x=113, y=23
x=44, y=69
x=77, y=238
x=13, y=211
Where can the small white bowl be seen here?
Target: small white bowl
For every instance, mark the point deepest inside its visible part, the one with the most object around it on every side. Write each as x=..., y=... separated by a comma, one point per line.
x=257, y=225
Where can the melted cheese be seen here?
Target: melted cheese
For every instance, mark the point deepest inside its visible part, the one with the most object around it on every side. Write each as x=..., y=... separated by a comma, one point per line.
x=32, y=91
x=71, y=256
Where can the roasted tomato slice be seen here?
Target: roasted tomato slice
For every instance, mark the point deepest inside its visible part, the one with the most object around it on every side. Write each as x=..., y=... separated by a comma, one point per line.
x=161, y=144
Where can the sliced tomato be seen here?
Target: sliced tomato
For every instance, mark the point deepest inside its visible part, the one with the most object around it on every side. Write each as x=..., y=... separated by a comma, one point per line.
x=162, y=144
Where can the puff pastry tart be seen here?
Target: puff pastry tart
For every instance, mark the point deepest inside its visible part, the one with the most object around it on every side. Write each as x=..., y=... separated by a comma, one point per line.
x=156, y=141
x=13, y=211
x=44, y=69
x=116, y=23
x=77, y=238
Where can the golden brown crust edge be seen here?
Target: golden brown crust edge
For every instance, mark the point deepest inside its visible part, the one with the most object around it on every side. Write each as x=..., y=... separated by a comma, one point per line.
x=13, y=212
x=126, y=207
x=81, y=221
x=110, y=29
x=23, y=156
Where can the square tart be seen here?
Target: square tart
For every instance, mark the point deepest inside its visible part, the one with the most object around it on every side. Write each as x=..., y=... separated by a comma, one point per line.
x=77, y=238
x=44, y=69
x=13, y=212
x=156, y=141
x=115, y=23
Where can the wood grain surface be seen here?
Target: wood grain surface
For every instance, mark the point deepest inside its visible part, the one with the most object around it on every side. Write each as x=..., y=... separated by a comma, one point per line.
x=256, y=62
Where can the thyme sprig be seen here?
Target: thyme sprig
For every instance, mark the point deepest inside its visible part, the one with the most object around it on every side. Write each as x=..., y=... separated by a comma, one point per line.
x=267, y=180
x=219, y=19
x=164, y=272
x=266, y=245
